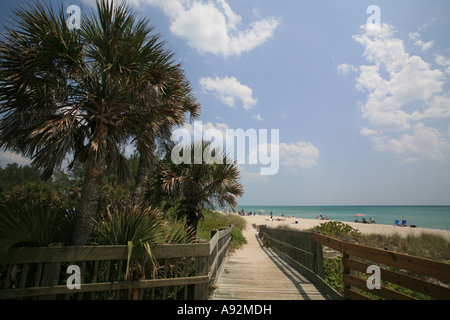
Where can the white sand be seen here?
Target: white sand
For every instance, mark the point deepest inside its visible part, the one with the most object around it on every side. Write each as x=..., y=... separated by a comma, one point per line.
x=364, y=228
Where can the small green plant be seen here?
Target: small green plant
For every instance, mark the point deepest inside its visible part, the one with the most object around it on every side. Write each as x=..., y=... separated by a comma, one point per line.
x=32, y=216
x=215, y=221
x=337, y=229
x=333, y=272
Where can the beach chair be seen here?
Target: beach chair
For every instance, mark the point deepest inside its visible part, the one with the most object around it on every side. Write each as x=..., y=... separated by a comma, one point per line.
x=404, y=223
x=396, y=222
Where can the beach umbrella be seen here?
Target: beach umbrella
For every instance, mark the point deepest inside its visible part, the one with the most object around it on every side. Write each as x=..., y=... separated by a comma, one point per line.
x=360, y=215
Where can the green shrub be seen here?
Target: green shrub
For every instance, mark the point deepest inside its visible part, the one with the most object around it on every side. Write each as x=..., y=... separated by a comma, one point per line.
x=216, y=221
x=333, y=273
x=33, y=216
x=337, y=229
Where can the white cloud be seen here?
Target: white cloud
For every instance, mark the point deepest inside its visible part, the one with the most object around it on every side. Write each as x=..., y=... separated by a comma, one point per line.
x=410, y=160
x=346, y=68
x=213, y=26
x=423, y=140
x=367, y=132
x=404, y=95
x=444, y=62
x=258, y=117
x=301, y=154
x=424, y=46
x=204, y=127
x=229, y=89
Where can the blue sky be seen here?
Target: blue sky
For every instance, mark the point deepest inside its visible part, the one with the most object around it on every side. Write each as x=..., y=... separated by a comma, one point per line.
x=363, y=114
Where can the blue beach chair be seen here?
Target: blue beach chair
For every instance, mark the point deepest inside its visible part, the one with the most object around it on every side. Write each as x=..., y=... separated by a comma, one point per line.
x=396, y=222
x=404, y=223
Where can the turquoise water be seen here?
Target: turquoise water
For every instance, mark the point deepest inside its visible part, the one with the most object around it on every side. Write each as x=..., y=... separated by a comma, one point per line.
x=434, y=217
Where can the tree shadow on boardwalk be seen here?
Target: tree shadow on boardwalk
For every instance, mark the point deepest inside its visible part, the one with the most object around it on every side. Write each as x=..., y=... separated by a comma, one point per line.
x=292, y=274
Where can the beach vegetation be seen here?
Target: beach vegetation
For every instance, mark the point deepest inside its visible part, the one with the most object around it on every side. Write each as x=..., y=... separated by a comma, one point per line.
x=333, y=273
x=215, y=221
x=83, y=96
x=195, y=186
x=424, y=245
x=337, y=229
x=85, y=93
x=33, y=215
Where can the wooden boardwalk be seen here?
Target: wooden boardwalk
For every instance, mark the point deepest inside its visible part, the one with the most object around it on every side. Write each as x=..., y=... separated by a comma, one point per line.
x=257, y=273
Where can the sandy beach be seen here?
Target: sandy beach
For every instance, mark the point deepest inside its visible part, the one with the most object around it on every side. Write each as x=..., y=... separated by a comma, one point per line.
x=303, y=224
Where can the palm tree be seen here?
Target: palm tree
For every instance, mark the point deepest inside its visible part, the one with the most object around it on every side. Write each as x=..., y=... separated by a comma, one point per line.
x=196, y=186
x=175, y=97
x=80, y=92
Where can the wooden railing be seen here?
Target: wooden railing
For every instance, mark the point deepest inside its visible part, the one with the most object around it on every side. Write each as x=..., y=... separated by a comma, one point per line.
x=175, y=271
x=426, y=276
x=301, y=251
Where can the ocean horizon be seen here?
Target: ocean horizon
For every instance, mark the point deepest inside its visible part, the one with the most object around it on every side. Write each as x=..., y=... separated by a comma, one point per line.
x=432, y=217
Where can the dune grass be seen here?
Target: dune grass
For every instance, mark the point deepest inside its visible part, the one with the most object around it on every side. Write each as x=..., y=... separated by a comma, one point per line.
x=217, y=221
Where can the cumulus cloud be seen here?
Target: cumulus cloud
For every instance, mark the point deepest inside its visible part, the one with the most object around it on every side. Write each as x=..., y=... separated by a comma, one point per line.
x=251, y=147
x=404, y=96
x=212, y=26
x=444, y=62
x=229, y=89
x=424, y=46
x=303, y=155
x=346, y=68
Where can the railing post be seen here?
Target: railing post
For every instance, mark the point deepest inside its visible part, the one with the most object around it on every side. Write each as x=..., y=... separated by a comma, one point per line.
x=318, y=258
x=50, y=275
x=346, y=271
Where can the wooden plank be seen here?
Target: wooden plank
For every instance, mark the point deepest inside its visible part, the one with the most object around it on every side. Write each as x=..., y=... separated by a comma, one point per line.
x=427, y=267
x=430, y=289
x=93, y=253
x=90, y=287
x=201, y=269
x=286, y=245
x=290, y=233
x=225, y=232
x=435, y=269
x=50, y=277
x=23, y=276
x=383, y=292
x=354, y=295
x=310, y=275
x=214, y=241
x=328, y=241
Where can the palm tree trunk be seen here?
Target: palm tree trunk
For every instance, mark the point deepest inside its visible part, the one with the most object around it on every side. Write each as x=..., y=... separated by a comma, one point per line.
x=192, y=223
x=90, y=194
x=141, y=181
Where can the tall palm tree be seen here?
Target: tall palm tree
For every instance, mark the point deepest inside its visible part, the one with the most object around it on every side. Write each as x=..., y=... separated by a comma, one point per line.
x=79, y=92
x=197, y=186
x=177, y=98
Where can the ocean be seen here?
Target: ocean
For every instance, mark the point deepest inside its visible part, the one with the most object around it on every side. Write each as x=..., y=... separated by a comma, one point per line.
x=433, y=217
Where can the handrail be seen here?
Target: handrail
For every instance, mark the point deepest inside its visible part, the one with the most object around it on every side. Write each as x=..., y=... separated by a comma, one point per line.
x=308, y=259
x=358, y=258
x=219, y=246
x=41, y=272
x=353, y=254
